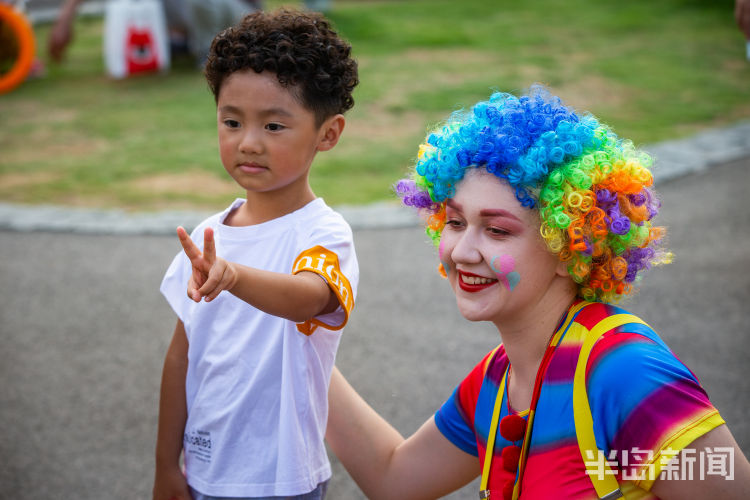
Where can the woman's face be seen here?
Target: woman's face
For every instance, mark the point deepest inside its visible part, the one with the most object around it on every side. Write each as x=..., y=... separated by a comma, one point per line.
x=496, y=261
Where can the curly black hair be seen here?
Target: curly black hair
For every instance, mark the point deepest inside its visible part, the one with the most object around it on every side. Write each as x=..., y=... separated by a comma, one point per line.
x=301, y=48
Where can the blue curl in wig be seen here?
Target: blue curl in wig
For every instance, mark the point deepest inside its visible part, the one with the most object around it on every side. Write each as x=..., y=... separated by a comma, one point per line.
x=517, y=138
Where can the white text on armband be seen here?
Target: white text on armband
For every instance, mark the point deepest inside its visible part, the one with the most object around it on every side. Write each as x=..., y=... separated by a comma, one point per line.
x=325, y=263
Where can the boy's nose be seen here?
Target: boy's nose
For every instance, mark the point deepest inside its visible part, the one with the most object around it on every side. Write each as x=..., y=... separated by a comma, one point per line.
x=251, y=143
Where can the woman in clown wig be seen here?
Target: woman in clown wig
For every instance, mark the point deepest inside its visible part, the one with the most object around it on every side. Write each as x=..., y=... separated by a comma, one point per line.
x=544, y=219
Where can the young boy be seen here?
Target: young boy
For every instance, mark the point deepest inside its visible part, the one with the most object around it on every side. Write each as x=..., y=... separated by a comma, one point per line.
x=244, y=387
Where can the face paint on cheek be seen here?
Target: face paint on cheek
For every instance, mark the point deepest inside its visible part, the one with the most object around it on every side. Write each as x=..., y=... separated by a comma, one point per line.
x=503, y=266
x=446, y=267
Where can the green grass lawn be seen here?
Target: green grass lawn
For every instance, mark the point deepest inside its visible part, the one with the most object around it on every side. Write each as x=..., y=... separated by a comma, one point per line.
x=652, y=69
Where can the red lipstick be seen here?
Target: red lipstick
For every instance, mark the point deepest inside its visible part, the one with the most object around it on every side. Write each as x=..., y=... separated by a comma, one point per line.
x=470, y=282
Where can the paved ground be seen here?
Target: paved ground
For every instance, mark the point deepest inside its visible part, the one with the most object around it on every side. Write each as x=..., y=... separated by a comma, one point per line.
x=83, y=332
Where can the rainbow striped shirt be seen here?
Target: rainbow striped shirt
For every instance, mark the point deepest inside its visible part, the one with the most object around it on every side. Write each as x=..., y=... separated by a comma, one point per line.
x=645, y=403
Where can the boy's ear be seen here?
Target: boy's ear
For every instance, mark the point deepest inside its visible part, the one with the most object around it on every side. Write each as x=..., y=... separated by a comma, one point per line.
x=331, y=131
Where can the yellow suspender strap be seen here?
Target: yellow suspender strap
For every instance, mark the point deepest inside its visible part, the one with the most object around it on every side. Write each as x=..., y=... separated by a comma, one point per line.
x=604, y=480
x=493, y=433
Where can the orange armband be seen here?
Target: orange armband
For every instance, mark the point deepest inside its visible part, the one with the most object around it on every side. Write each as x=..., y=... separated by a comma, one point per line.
x=325, y=263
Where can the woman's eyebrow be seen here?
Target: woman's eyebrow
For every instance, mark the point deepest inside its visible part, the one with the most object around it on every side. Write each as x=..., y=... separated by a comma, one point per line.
x=453, y=204
x=497, y=212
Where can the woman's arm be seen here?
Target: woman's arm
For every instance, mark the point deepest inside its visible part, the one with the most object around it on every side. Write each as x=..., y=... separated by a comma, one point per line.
x=711, y=487
x=383, y=463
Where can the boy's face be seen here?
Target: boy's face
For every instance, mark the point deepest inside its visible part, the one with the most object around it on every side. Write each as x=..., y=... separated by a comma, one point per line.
x=267, y=139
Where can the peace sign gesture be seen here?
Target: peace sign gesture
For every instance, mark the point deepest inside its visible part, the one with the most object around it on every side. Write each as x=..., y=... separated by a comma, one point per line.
x=211, y=274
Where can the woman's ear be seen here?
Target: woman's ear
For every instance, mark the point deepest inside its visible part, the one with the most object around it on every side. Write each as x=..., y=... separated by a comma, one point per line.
x=331, y=131
x=562, y=269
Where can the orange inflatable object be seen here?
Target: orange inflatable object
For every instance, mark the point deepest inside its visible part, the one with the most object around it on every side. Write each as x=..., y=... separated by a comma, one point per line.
x=24, y=35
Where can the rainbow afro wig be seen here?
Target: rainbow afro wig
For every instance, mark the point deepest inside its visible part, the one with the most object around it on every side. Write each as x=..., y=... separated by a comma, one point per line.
x=592, y=190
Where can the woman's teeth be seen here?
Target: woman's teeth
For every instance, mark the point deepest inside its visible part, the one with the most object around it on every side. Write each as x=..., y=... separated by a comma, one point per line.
x=475, y=280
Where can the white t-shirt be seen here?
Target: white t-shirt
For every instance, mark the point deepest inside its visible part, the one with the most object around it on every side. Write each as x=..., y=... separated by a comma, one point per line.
x=256, y=386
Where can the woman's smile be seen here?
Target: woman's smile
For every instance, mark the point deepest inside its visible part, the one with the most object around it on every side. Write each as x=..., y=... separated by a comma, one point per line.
x=470, y=282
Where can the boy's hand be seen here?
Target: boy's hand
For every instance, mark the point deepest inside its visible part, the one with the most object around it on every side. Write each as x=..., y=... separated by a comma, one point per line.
x=211, y=274
x=171, y=485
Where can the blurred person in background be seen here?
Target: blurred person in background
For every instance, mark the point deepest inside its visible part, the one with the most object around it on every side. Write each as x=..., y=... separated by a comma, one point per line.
x=192, y=24
x=742, y=16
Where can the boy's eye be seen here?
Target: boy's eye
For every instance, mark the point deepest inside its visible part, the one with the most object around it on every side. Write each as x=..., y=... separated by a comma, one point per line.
x=232, y=123
x=274, y=127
